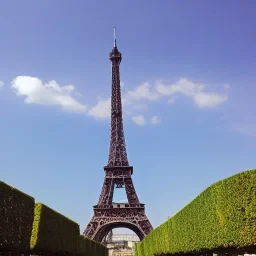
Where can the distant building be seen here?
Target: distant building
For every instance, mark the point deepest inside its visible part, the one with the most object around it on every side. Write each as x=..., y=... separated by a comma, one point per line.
x=121, y=245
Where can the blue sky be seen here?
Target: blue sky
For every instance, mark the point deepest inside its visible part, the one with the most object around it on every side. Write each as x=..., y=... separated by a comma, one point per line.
x=188, y=82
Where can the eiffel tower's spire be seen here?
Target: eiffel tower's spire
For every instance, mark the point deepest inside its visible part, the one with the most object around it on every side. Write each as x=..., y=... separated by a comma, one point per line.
x=114, y=36
x=117, y=149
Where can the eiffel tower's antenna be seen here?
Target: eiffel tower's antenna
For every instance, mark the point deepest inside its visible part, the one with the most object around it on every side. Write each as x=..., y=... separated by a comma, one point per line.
x=114, y=36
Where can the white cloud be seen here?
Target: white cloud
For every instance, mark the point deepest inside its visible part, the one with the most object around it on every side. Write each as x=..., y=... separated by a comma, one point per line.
x=50, y=94
x=101, y=110
x=78, y=94
x=155, y=120
x=1, y=84
x=143, y=91
x=139, y=119
x=194, y=90
x=226, y=86
x=135, y=101
x=171, y=100
x=183, y=86
x=209, y=100
x=130, y=107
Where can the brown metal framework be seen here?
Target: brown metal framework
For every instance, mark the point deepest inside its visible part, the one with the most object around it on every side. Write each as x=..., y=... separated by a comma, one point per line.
x=109, y=215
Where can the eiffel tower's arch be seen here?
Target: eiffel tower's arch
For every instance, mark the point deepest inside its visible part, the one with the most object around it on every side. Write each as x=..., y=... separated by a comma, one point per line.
x=105, y=229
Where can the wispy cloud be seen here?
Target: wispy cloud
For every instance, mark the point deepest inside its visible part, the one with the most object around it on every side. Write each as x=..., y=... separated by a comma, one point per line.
x=226, y=86
x=248, y=129
x=171, y=100
x=155, y=120
x=143, y=91
x=102, y=109
x=209, y=100
x=196, y=91
x=135, y=101
x=1, y=84
x=49, y=94
x=139, y=120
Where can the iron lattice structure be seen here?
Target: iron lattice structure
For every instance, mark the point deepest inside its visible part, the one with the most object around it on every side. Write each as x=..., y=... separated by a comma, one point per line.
x=107, y=214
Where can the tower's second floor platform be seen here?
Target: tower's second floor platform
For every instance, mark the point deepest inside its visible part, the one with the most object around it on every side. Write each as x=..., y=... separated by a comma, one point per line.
x=119, y=205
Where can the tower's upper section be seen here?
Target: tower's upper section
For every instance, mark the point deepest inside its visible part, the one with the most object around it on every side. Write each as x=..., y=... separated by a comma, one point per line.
x=117, y=150
x=115, y=55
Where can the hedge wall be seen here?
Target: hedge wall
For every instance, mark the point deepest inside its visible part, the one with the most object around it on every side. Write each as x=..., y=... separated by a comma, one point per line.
x=89, y=247
x=222, y=216
x=29, y=227
x=16, y=218
x=53, y=232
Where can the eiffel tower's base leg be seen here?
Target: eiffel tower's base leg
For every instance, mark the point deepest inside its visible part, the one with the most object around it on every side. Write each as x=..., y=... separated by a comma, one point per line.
x=105, y=219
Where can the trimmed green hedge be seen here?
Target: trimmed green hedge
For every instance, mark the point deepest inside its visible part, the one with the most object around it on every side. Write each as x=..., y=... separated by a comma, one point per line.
x=29, y=227
x=89, y=247
x=222, y=216
x=16, y=218
x=99, y=249
x=53, y=232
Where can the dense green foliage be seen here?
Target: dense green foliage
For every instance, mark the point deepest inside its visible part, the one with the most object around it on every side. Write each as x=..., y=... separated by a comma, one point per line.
x=89, y=247
x=222, y=216
x=29, y=227
x=16, y=218
x=53, y=232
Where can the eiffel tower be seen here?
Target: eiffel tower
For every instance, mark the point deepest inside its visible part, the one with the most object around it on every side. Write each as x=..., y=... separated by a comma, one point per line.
x=118, y=174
